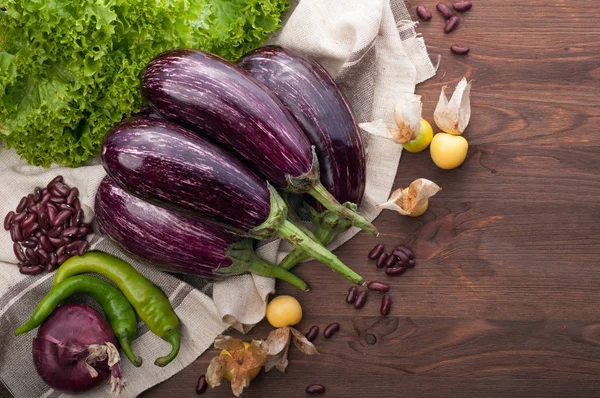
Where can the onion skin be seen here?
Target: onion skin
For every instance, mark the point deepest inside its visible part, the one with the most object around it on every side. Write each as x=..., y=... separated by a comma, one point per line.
x=60, y=349
x=319, y=107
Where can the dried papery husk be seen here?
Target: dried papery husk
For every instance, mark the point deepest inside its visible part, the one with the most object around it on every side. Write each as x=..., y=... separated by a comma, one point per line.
x=278, y=344
x=407, y=200
x=407, y=115
x=453, y=116
x=109, y=352
x=241, y=361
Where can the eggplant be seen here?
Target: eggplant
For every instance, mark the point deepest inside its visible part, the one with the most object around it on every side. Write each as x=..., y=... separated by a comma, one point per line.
x=171, y=167
x=175, y=242
x=218, y=99
x=319, y=107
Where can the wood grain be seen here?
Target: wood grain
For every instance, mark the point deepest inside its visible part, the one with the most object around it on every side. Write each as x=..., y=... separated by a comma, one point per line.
x=505, y=298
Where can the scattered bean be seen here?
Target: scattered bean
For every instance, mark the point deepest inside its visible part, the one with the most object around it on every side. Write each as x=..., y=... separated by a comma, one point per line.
x=56, y=242
x=352, y=293
x=411, y=264
x=56, y=231
x=424, y=13
x=30, y=219
x=19, y=217
x=43, y=256
x=29, y=243
x=16, y=233
x=22, y=204
x=65, y=206
x=37, y=194
x=77, y=204
x=61, y=218
x=406, y=250
x=462, y=6
x=315, y=389
x=69, y=232
x=64, y=258
x=56, y=179
x=460, y=50
x=401, y=256
x=382, y=260
x=31, y=256
x=31, y=270
x=390, y=262
x=331, y=329
x=83, y=248
x=312, y=333
x=78, y=217
x=60, y=251
x=386, y=304
x=43, y=220
x=8, y=220
x=376, y=252
x=18, y=252
x=58, y=199
x=361, y=299
x=378, y=286
x=73, y=193
x=201, y=385
x=444, y=10
x=395, y=271
x=24, y=264
x=30, y=230
x=46, y=197
x=452, y=24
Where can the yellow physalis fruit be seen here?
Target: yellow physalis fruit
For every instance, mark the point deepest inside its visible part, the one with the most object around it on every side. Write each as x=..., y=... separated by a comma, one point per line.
x=423, y=138
x=414, y=200
x=284, y=311
x=448, y=151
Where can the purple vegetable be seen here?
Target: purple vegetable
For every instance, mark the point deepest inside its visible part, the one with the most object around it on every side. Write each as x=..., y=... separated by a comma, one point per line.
x=176, y=242
x=218, y=99
x=174, y=168
x=312, y=97
x=72, y=336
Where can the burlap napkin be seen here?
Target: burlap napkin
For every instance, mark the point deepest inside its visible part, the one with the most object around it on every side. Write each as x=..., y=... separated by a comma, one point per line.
x=372, y=50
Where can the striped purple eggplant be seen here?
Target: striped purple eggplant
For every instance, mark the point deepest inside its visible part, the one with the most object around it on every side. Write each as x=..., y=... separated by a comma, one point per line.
x=315, y=101
x=169, y=166
x=176, y=242
x=216, y=98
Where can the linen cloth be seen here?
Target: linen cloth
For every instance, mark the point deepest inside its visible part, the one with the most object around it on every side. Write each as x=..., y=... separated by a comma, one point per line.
x=372, y=50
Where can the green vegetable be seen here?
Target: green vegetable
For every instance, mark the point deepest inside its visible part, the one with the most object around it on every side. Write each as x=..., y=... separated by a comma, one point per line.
x=115, y=306
x=69, y=70
x=149, y=301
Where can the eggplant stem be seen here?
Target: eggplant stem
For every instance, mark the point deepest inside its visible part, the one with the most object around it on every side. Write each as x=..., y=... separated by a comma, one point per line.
x=321, y=194
x=172, y=337
x=298, y=239
x=265, y=269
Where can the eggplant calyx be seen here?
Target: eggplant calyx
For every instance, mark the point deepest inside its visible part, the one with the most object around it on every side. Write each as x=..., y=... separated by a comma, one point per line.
x=275, y=219
x=303, y=183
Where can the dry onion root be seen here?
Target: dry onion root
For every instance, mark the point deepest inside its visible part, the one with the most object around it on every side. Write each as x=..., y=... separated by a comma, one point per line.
x=414, y=200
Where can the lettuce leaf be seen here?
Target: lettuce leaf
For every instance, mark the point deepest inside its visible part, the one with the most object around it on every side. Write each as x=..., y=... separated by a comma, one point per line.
x=69, y=70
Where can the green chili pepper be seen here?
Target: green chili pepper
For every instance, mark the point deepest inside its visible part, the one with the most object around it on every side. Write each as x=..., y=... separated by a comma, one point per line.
x=149, y=301
x=117, y=309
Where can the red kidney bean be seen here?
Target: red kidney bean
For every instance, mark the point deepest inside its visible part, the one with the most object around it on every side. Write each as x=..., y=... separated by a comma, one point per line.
x=73, y=246
x=395, y=271
x=56, y=179
x=61, y=218
x=16, y=233
x=18, y=252
x=401, y=256
x=69, y=232
x=459, y=50
x=378, y=286
x=31, y=256
x=77, y=204
x=23, y=264
x=19, y=217
x=31, y=270
x=406, y=250
x=45, y=197
x=55, y=232
x=8, y=220
x=45, y=244
x=424, y=13
x=444, y=10
x=86, y=227
x=43, y=220
x=73, y=193
x=40, y=233
x=44, y=191
x=57, y=242
x=312, y=333
x=376, y=252
x=58, y=199
x=78, y=217
x=64, y=206
x=452, y=24
x=64, y=258
x=83, y=248
x=390, y=262
x=30, y=219
x=201, y=385
x=352, y=293
x=43, y=256
x=30, y=230
x=386, y=304
x=37, y=194
x=315, y=389
x=53, y=263
x=331, y=329
x=52, y=213
x=38, y=208
x=410, y=264
x=61, y=250
x=22, y=204
x=462, y=6
x=29, y=243
x=62, y=189
x=361, y=299
x=381, y=260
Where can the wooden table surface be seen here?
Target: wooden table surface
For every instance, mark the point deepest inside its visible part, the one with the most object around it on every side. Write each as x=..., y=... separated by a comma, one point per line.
x=505, y=298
